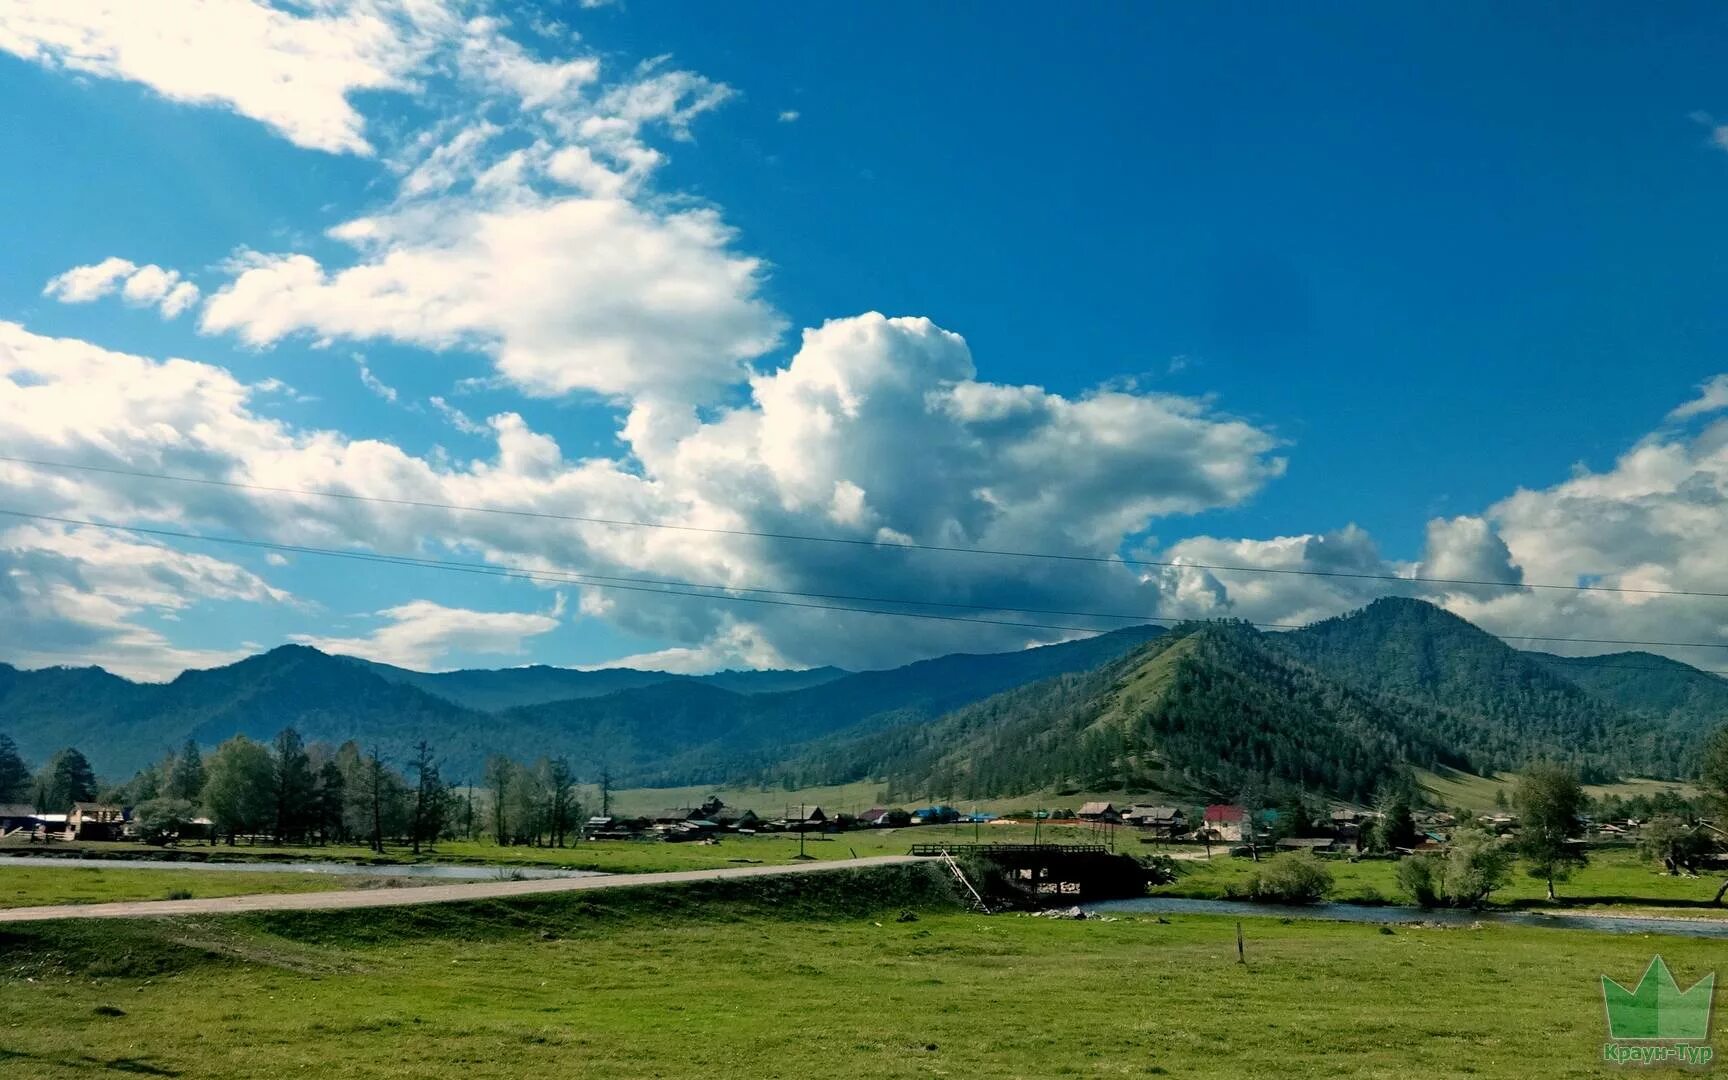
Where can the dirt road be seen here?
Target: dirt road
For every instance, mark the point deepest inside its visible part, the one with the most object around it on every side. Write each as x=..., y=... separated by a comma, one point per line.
x=423, y=894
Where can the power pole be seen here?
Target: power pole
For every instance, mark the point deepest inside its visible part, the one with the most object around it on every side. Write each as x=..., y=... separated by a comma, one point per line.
x=802, y=825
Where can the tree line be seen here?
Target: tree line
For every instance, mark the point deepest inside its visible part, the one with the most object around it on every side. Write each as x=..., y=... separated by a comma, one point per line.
x=294, y=792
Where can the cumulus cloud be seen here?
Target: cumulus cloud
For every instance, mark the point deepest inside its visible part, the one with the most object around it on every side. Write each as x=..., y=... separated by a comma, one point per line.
x=140, y=286
x=521, y=228
x=839, y=443
x=421, y=633
x=567, y=294
x=293, y=69
x=85, y=596
x=1651, y=522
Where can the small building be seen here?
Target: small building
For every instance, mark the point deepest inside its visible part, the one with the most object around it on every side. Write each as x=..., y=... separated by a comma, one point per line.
x=1308, y=843
x=96, y=821
x=1223, y=821
x=1164, y=820
x=732, y=817
x=15, y=816
x=807, y=818
x=1101, y=812
x=940, y=814
x=874, y=818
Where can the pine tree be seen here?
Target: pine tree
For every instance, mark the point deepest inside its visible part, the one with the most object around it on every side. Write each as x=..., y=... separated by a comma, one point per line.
x=14, y=774
x=294, y=789
x=186, y=778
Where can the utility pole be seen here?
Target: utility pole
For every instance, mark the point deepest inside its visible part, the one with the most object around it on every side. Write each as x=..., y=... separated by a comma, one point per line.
x=803, y=823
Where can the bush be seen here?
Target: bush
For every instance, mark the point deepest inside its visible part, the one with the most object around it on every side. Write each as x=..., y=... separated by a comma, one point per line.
x=160, y=821
x=1464, y=877
x=1295, y=877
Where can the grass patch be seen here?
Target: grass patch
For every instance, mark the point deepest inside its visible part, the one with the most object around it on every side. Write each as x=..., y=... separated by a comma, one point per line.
x=1615, y=879
x=33, y=885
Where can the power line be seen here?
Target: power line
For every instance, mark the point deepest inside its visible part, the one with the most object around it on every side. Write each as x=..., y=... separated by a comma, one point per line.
x=672, y=587
x=885, y=545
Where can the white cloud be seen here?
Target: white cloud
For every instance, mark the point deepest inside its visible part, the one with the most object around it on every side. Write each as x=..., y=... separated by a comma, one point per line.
x=140, y=286
x=734, y=646
x=456, y=418
x=372, y=382
x=839, y=442
x=77, y=596
x=1712, y=397
x=293, y=70
x=420, y=633
x=566, y=294
x=1652, y=521
x=82, y=284
x=788, y=116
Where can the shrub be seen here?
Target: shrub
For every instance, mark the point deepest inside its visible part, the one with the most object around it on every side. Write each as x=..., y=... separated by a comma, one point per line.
x=1295, y=877
x=1465, y=876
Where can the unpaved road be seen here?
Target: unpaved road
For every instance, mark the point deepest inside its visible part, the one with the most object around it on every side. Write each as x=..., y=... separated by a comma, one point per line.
x=423, y=894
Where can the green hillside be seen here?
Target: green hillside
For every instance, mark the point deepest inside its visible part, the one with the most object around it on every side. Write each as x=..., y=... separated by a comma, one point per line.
x=1208, y=709
x=1500, y=706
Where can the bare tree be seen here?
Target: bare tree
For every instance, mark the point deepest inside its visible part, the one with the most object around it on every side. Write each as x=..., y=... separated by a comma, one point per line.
x=560, y=799
x=500, y=771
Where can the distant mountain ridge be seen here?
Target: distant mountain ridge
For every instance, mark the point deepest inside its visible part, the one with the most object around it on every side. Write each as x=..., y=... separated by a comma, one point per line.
x=506, y=688
x=652, y=726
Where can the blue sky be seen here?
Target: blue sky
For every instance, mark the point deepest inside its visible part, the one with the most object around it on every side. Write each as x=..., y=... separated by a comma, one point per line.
x=1389, y=290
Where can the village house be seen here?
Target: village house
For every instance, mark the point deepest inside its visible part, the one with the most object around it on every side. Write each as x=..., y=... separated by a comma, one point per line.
x=874, y=818
x=1167, y=821
x=1223, y=821
x=95, y=821
x=1101, y=812
x=807, y=819
x=16, y=816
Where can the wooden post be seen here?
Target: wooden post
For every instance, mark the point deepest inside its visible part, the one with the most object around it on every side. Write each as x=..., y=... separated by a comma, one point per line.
x=1240, y=957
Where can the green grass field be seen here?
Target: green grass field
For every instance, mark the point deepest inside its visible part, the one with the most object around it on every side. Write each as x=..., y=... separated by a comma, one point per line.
x=1448, y=788
x=1452, y=788
x=1615, y=878
x=636, y=856
x=29, y=886
x=805, y=978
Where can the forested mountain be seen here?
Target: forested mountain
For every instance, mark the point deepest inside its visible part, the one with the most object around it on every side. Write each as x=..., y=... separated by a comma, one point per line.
x=1505, y=706
x=674, y=729
x=1208, y=709
x=1689, y=700
x=122, y=725
x=507, y=688
x=741, y=735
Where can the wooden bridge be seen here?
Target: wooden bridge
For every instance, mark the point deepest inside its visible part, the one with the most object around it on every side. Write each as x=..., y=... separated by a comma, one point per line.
x=1053, y=872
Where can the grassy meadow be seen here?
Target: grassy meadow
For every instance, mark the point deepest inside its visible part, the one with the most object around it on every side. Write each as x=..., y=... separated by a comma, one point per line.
x=1616, y=878
x=29, y=886
x=804, y=977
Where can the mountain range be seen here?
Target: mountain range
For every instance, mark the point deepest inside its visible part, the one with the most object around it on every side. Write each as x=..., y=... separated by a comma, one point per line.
x=645, y=727
x=1207, y=708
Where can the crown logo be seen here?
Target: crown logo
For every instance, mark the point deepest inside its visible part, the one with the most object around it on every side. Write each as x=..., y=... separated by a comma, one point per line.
x=1658, y=1010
